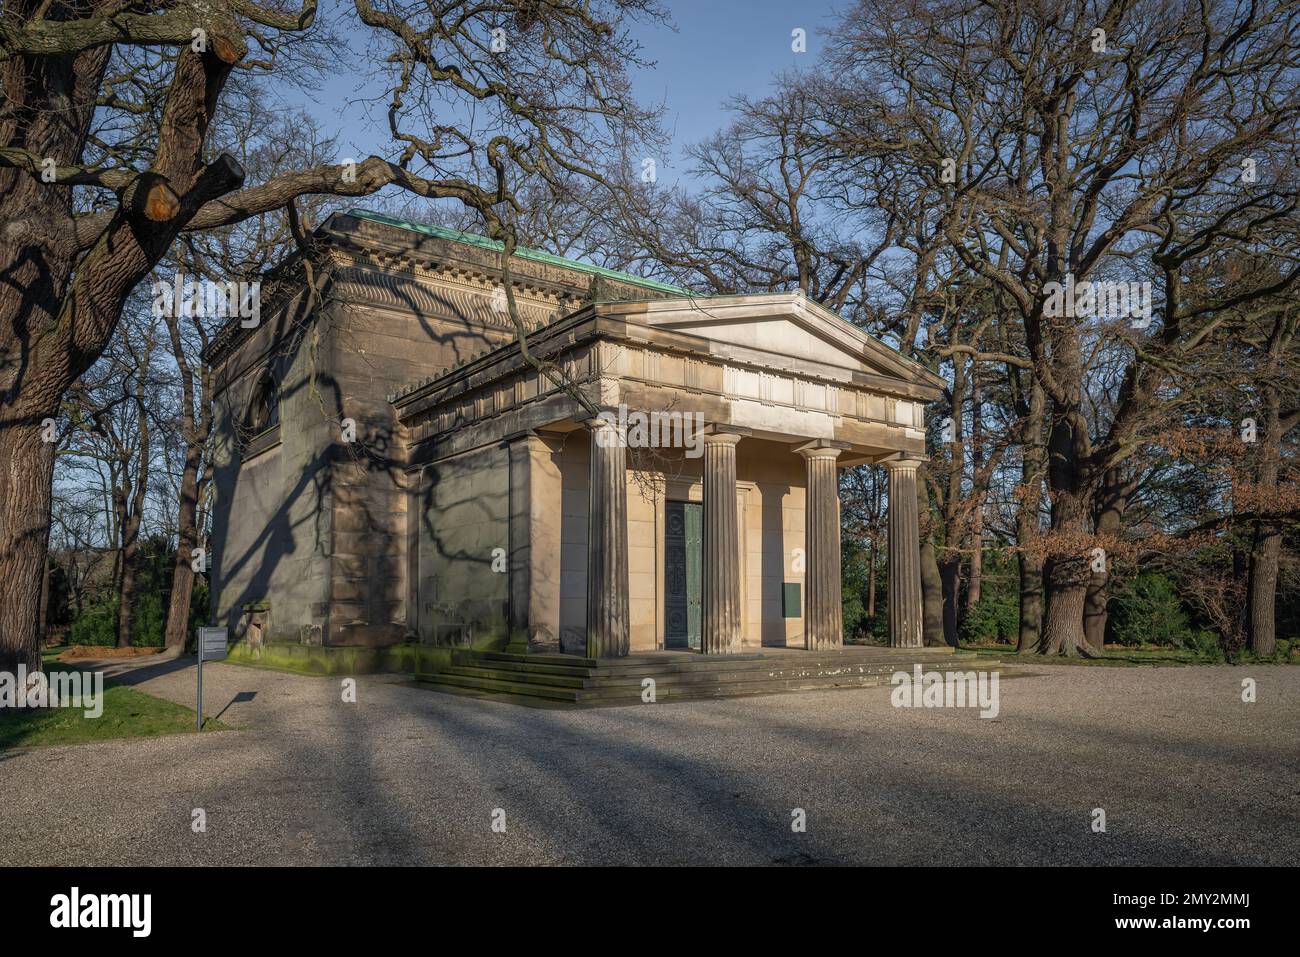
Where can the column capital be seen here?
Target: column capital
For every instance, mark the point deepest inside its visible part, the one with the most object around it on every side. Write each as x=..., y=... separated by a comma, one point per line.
x=607, y=428
x=903, y=465
x=722, y=438
x=817, y=450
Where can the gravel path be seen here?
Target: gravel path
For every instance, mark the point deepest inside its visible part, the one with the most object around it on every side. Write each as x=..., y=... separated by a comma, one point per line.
x=1185, y=771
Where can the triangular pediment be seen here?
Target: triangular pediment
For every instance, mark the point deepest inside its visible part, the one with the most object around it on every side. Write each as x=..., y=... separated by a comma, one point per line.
x=789, y=326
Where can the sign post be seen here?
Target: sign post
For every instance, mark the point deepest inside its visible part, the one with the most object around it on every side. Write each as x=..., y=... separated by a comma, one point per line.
x=212, y=647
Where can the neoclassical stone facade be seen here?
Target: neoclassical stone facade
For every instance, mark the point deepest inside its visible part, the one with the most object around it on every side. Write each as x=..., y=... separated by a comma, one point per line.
x=499, y=498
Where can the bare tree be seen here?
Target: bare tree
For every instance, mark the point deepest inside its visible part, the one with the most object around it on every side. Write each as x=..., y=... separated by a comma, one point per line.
x=1136, y=141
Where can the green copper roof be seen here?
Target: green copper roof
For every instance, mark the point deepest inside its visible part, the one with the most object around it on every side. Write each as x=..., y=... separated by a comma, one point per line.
x=483, y=242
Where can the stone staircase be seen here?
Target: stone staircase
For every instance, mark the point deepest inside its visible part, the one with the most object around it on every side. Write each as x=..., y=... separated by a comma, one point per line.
x=571, y=680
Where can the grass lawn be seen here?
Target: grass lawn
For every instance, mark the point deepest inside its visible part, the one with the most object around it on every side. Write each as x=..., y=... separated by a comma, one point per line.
x=127, y=714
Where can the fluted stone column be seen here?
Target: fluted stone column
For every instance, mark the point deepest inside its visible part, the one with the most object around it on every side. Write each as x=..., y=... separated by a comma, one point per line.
x=906, y=615
x=607, y=599
x=823, y=616
x=721, y=633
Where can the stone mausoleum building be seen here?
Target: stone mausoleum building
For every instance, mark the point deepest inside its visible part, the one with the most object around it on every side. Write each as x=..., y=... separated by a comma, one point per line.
x=390, y=465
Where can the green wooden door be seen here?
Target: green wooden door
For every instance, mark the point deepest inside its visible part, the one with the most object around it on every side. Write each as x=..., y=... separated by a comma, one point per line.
x=683, y=583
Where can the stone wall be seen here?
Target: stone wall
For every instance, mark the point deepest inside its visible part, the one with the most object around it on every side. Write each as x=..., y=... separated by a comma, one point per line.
x=270, y=543
x=463, y=516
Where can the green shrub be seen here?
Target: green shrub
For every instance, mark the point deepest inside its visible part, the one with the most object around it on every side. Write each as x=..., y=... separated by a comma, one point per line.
x=149, y=621
x=96, y=625
x=1205, y=643
x=1148, y=611
x=854, y=575
x=995, y=617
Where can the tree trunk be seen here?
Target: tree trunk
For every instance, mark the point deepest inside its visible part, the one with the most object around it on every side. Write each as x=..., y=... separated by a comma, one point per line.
x=1029, y=494
x=1063, y=621
x=931, y=596
x=1112, y=502
x=871, y=582
x=126, y=587
x=973, y=581
x=1266, y=537
x=131, y=536
x=196, y=426
x=26, y=476
x=950, y=577
x=1031, y=603
x=45, y=599
x=1066, y=579
x=178, y=611
x=126, y=594
x=931, y=582
x=1071, y=493
x=1096, y=603
x=1265, y=555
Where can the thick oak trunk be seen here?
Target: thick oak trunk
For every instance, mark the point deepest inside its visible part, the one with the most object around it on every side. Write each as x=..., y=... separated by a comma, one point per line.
x=1066, y=577
x=1063, y=619
x=26, y=474
x=1112, y=502
x=931, y=582
x=1068, y=563
x=931, y=597
x=1266, y=538
x=1028, y=496
x=1031, y=603
x=950, y=576
x=1096, y=605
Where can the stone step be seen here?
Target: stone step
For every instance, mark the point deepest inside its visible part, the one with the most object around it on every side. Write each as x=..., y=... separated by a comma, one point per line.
x=667, y=678
x=725, y=676
x=747, y=674
x=730, y=663
x=576, y=661
x=729, y=689
x=724, y=668
x=522, y=667
x=508, y=688
x=524, y=677
x=670, y=688
x=663, y=692
x=560, y=680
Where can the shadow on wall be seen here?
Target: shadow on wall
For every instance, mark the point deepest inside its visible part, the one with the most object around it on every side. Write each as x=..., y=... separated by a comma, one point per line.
x=316, y=477
x=463, y=549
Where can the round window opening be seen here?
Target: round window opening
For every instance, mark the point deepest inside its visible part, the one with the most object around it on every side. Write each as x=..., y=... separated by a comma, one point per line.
x=263, y=412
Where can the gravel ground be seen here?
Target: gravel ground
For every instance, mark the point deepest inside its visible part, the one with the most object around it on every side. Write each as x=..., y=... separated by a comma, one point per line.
x=1185, y=771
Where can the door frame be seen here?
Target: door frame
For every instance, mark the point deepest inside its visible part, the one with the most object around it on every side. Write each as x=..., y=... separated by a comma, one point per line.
x=691, y=489
x=688, y=507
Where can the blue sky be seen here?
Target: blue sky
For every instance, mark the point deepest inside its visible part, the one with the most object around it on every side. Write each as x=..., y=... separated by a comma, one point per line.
x=720, y=48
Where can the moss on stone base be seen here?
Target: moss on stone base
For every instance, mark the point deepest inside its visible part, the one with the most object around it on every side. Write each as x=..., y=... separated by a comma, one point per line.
x=325, y=660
